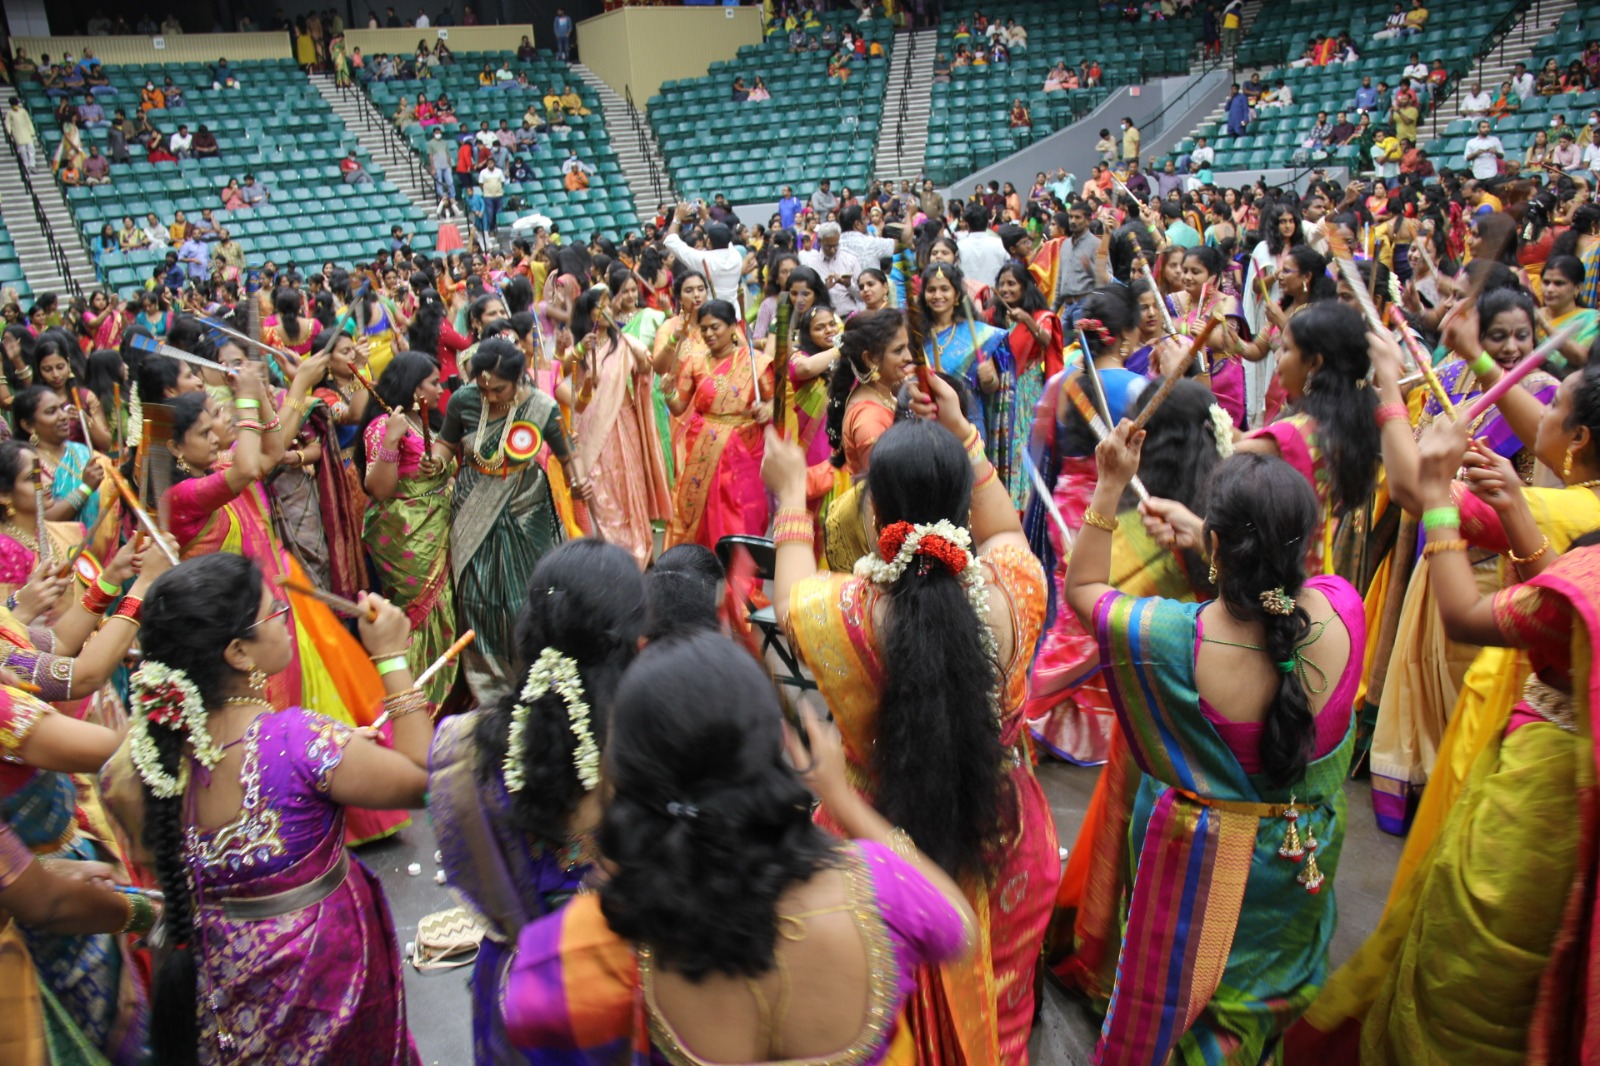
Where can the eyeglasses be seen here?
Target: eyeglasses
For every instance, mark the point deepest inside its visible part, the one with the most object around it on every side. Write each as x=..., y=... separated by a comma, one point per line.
x=279, y=609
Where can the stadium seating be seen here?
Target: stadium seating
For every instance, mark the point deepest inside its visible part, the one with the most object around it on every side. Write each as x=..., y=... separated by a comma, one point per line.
x=1456, y=35
x=276, y=127
x=969, y=126
x=605, y=207
x=811, y=129
x=11, y=269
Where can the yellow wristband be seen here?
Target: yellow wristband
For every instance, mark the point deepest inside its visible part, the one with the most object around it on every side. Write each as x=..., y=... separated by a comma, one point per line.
x=389, y=666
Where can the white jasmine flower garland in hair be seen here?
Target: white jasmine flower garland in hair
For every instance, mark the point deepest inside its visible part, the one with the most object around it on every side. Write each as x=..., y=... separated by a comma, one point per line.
x=942, y=542
x=1222, y=430
x=552, y=670
x=166, y=697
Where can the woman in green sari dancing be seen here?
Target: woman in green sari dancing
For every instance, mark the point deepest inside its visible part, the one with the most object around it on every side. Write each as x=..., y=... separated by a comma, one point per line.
x=1238, y=713
x=503, y=518
x=407, y=525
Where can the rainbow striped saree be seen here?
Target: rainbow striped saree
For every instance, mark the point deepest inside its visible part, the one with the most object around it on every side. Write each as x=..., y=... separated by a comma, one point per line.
x=1195, y=984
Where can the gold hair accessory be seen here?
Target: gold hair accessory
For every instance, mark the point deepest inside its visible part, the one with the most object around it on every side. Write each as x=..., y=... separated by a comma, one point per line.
x=1276, y=601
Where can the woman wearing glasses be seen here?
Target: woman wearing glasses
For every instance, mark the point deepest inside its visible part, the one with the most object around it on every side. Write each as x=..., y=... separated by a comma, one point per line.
x=239, y=806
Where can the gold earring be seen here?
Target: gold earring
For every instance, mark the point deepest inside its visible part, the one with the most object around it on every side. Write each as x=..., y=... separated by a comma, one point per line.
x=1211, y=574
x=185, y=467
x=258, y=679
x=33, y=439
x=1566, y=466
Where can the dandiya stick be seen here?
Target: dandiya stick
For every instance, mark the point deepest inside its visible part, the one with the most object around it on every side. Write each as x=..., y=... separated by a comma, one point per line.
x=433, y=668
x=72, y=557
x=41, y=535
x=1170, y=381
x=1047, y=498
x=373, y=391
x=337, y=603
x=155, y=347
x=1509, y=379
x=915, y=333
x=116, y=424
x=139, y=513
x=1097, y=425
x=1352, y=276
x=1424, y=362
x=272, y=352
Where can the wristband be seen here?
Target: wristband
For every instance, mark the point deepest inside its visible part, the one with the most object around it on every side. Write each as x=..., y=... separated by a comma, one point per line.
x=246, y=403
x=1441, y=518
x=108, y=587
x=390, y=665
x=1483, y=365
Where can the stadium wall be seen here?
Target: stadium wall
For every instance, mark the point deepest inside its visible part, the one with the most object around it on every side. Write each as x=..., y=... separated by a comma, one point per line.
x=638, y=48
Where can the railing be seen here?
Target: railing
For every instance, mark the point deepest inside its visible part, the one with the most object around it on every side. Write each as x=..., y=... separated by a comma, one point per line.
x=1495, y=38
x=58, y=255
x=396, y=148
x=661, y=188
x=905, y=106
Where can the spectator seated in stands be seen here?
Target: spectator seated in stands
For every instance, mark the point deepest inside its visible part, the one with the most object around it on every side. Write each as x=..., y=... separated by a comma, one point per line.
x=759, y=91
x=1015, y=36
x=131, y=237
x=254, y=193
x=70, y=173
x=151, y=98
x=554, y=113
x=797, y=41
x=174, y=95
x=506, y=137
x=1060, y=78
x=1506, y=102
x=527, y=137
x=1414, y=162
x=485, y=77
x=1416, y=19
x=442, y=53
x=180, y=230
x=207, y=228
x=406, y=113
x=963, y=56
x=998, y=54
x=575, y=172
x=1416, y=69
x=223, y=77
x=875, y=51
x=1574, y=77
x=1538, y=153
x=1437, y=74
x=1278, y=95
x=97, y=168
x=1254, y=88
x=525, y=52
x=351, y=170
x=839, y=66
x=572, y=103
x=155, y=230
x=1566, y=153
x=444, y=112
x=181, y=144
x=1020, y=118
x=1089, y=73
x=1343, y=131
x=91, y=116
x=1548, y=83
x=156, y=149
x=1321, y=134
x=1393, y=26
x=23, y=63
x=741, y=91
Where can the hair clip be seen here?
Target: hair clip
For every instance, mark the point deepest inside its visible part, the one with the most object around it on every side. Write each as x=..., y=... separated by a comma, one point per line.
x=686, y=811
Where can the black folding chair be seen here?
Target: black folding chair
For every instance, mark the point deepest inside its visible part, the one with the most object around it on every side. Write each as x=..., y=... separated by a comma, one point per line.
x=763, y=556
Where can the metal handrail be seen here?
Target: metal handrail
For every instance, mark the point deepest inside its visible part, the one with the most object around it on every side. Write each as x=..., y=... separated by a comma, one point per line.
x=58, y=255
x=905, y=104
x=641, y=132
x=394, y=143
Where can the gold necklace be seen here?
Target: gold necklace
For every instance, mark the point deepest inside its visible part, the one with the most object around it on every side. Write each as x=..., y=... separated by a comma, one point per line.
x=1591, y=483
x=21, y=536
x=249, y=701
x=495, y=459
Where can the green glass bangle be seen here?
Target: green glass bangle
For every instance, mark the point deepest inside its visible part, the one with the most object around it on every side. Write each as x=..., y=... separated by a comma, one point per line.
x=1482, y=365
x=389, y=666
x=1441, y=518
x=247, y=403
x=106, y=587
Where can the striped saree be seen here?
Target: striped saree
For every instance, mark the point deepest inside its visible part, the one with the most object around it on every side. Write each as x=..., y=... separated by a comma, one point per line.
x=1197, y=981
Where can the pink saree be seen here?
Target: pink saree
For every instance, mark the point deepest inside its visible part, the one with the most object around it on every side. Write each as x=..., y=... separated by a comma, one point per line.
x=719, y=486
x=620, y=451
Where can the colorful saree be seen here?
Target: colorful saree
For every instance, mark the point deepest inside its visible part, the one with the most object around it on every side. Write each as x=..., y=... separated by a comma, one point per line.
x=330, y=673
x=1487, y=953
x=502, y=521
x=978, y=1009
x=1195, y=983
x=1035, y=364
x=1227, y=371
x=67, y=476
x=690, y=347
x=719, y=484
x=341, y=498
x=407, y=538
x=295, y=946
x=620, y=452
x=574, y=984
x=644, y=325
x=95, y=989
x=502, y=877
x=957, y=350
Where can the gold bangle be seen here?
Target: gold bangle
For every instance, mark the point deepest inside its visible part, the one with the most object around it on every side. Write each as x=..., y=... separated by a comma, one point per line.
x=1094, y=518
x=1544, y=546
x=1439, y=547
x=900, y=842
x=403, y=703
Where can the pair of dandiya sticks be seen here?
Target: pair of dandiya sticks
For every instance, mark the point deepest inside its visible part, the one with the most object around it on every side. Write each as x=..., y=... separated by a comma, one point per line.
x=370, y=612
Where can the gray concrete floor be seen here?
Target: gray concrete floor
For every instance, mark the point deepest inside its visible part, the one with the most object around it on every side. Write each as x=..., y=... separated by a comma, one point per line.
x=440, y=1012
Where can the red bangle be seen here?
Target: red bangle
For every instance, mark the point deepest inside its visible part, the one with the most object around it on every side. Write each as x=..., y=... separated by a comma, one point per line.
x=129, y=608
x=96, y=600
x=1388, y=412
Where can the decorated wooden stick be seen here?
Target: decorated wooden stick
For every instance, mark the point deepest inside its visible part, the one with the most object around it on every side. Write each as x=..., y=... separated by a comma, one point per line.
x=780, y=363
x=1408, y=340
x=1170, y=381
x=72, y=557
x=139, y=513
x=155, y=347
x=1143, y=267
x=449, y=655
x=1099, y=426
x=272, y=353
x=116, y=421
x=1352, y=276
x=40, y=533
x=372, y=390
x=915, y=331
x=1047, y=498
x=1509, y=379
x=337, y=603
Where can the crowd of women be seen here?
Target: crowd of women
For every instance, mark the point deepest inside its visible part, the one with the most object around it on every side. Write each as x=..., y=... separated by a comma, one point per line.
x=1233, y=522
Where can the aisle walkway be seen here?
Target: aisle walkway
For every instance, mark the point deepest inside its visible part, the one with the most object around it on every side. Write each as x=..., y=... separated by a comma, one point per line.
x=440, y=1012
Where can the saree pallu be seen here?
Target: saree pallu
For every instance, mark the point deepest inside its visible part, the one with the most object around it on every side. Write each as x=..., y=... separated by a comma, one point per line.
x=808, y=402
x=501, y=524
x=690, y=348
x=341, y=498
x=407, y=537
x=618, y=449
x=958, y=350
x=1034, y=363
x=297, y=519
x=492, y=865
x=75, y=459
x=1432, y=680
x=719, y=485
x=1196, y=984
x=643, y=326
x=1085, y=931
x=1487, y=953
x=978, y=1009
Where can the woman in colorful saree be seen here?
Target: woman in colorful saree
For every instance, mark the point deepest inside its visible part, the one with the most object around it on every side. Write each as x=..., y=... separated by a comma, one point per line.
x=760, y=938
x=1068, y=708
x=722, y=400
x=1563, y=281
x=278, y=946
x=406, y=531
x=76, y=489
x=931, y=629
x=105, y=319
x=293, y=331
x=514, y=808
x=813, y=352
x=617, y=446
x=1035, y=336
x=977, y=353
x=95, y=992
x=503, y=519
x=1238, y=713
x=1483, y=957
x=678, y=343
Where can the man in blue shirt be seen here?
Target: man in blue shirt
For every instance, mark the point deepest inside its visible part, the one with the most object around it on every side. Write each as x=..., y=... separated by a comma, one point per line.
x=789, y=207
x=563, y=28
x=1366, y=96
x=1238, y=111
x=194, y=256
